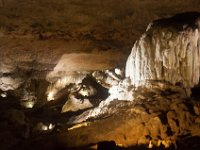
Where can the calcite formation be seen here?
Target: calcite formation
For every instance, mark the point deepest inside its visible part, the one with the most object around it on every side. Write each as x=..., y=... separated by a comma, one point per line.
x=168, y=51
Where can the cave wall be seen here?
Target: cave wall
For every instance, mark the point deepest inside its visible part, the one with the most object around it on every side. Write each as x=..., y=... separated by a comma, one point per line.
x=35, y=35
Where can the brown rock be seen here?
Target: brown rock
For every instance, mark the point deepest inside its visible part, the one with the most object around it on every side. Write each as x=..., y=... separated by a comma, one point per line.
x=196, y=109
x=173, y=121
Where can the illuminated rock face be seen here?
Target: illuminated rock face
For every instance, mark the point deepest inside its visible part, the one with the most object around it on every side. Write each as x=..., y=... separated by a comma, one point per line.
x=74, y=104
x=169, y=51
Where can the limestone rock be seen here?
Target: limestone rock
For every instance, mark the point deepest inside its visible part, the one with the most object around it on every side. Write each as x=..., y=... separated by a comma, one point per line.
x=196, y=109
x=74, y=104
x=9, y=83
x=168, y=51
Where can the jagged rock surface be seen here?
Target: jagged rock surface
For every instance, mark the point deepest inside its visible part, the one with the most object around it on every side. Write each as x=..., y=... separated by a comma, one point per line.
x=169, y=51
x=157, y=118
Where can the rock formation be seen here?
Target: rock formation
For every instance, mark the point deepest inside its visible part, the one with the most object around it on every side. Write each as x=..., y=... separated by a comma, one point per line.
x=62, y=83
x=168, y=51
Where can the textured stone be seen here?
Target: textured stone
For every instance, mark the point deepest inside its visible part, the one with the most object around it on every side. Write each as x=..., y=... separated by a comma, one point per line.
x=168, y=51
x=196, y=109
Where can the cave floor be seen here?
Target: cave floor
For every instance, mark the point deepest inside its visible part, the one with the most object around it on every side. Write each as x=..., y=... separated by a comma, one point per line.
x=159, y=118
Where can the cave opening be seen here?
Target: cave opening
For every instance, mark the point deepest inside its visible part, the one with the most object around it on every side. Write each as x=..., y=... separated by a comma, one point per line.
x=101, y=93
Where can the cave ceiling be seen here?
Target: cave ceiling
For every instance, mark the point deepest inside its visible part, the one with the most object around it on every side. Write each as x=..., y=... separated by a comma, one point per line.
x=39, y=29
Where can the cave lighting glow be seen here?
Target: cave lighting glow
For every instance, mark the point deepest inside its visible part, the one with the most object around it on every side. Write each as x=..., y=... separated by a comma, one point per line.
x=28, y=104
x=50, y=96
x=4, y=94
x=45, y=127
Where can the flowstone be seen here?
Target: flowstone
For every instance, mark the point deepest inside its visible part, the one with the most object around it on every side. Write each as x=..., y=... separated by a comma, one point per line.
x=168, y=51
